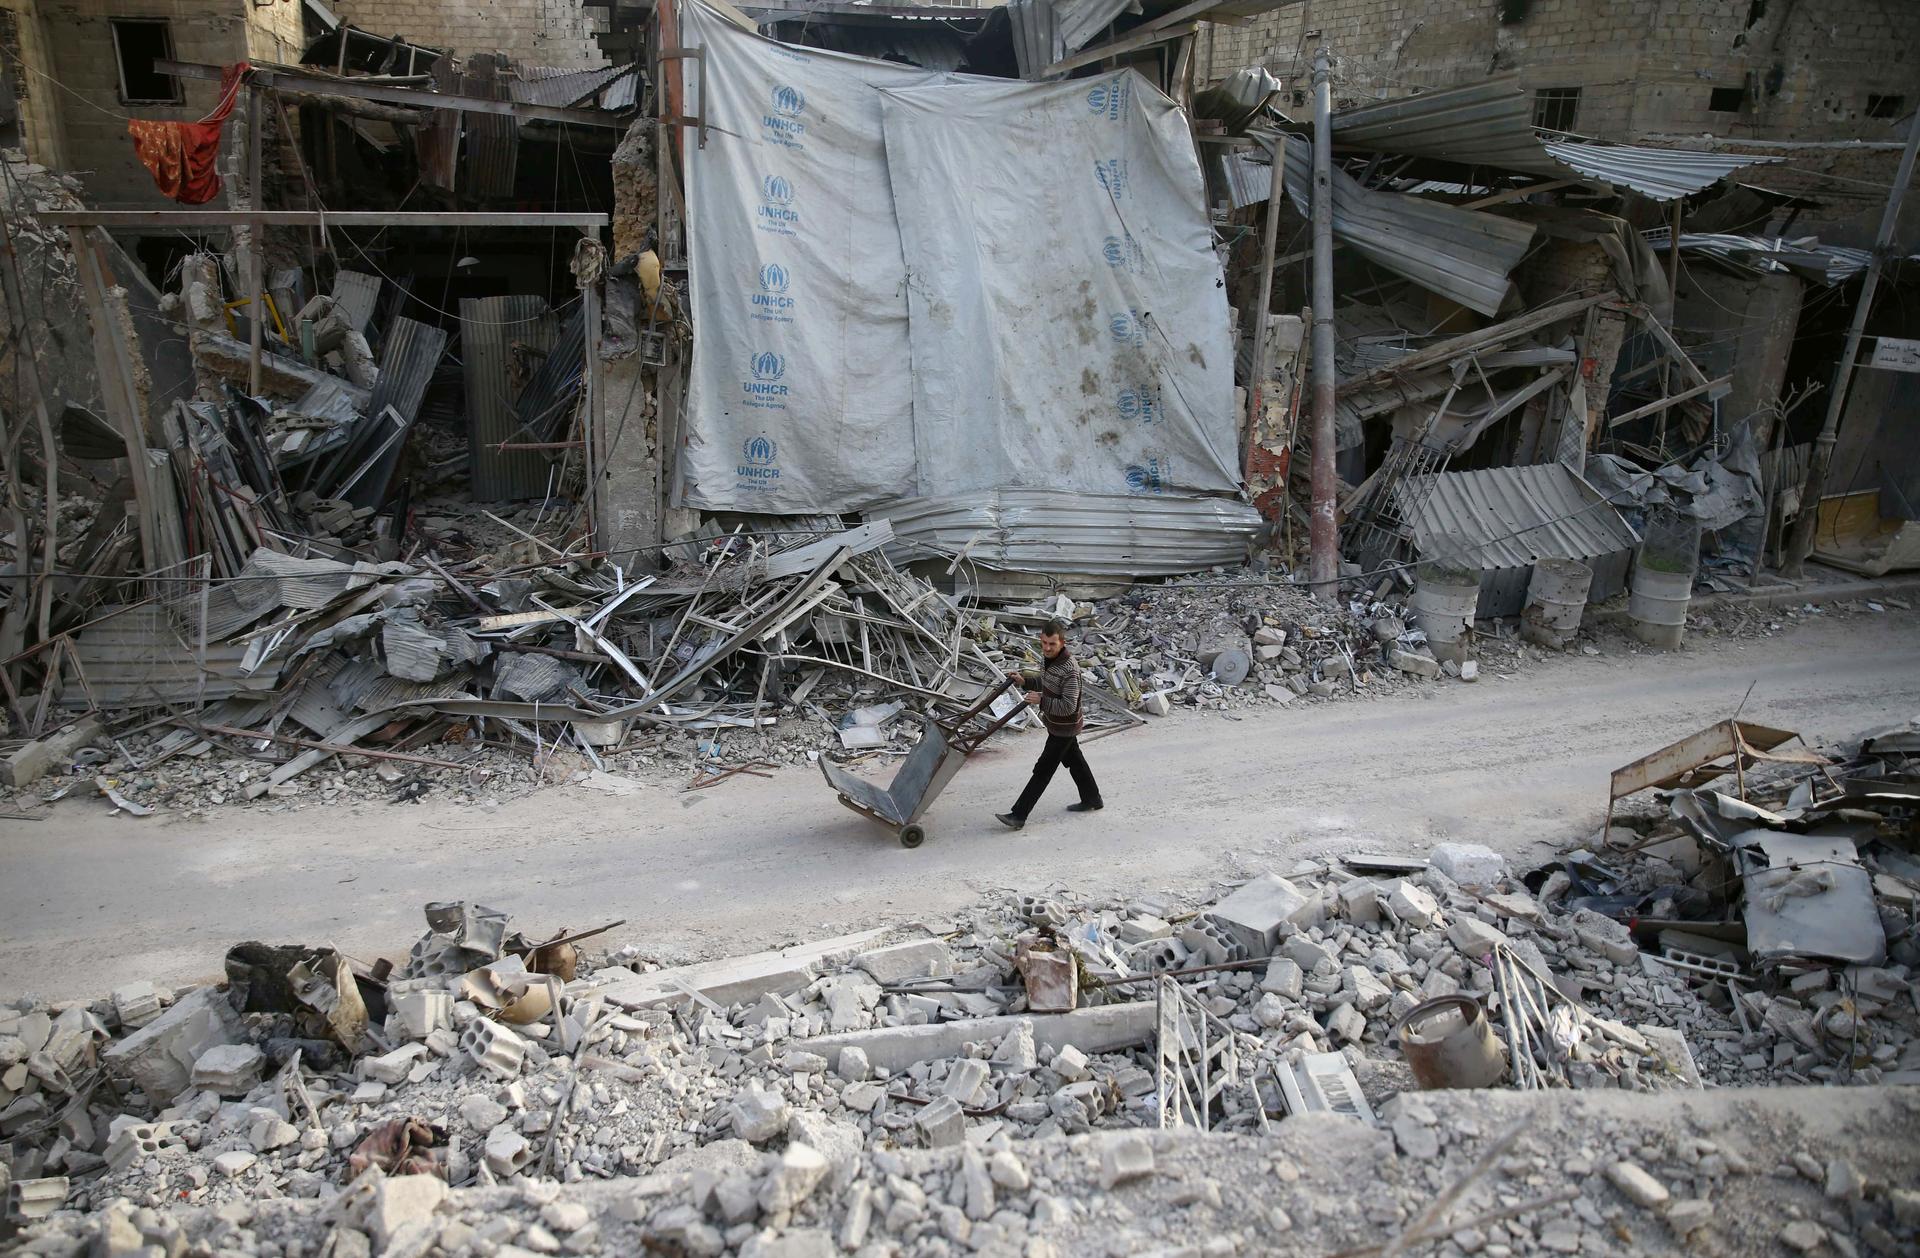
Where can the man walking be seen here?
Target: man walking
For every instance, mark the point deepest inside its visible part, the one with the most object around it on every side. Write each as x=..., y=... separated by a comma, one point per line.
x=1055, y=690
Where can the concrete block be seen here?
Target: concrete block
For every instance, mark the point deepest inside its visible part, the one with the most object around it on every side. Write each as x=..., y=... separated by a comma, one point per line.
x=1256, y=912
x=1070, y=1064
x=493, y=1048
x=229, y=1069
x=235, y=1162
x=941, y=1124
x=506, y=1151
x=424, y=1012
x=1125, y=1157
x=137, y=1141
x=1413, y=662
x=853, y=1065
x=1283, y=978
x=1359, y=902
x=964, y=1081
x=1346, y=1024
x=137, y=1004
x=271, y=1132
x=758, y=1116
x=917, y=958
x=1473, y=936
x=1412, y=905
x=1469, y=864
x=842, y=1144
x=1310, y=955
x=1140, y=929
x=392, y=1068
x=793, y=1178
x=159, y=1057
x=1101, y=1029
x=401, y=1200
x=36, y=1198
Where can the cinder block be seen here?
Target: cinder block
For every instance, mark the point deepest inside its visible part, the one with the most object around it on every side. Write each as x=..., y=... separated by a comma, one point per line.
x=35, y=1198
x=1255, y=913
x=493, y=1048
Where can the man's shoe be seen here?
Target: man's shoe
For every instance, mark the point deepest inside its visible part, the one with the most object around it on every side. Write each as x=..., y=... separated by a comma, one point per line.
x=1095, y=806
x=1010, y=821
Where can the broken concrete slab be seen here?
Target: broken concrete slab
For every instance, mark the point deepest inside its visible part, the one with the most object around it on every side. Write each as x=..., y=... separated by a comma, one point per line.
x=898, y=963
x=1102, y=1029
x=735, y=980
x=41, y=756
x=1256, y=912
x=160, y=1056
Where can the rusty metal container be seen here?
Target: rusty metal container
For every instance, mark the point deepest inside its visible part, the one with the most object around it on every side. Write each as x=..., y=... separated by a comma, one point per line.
x=1448, y=1044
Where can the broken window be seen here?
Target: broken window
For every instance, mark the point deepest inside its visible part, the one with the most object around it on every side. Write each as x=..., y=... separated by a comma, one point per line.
x=1879, y=106
x=138, y=43
x=1727, y=100
x=1556, y=108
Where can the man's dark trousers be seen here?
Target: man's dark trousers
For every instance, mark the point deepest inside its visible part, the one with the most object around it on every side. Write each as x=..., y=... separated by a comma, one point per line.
x=1060, y=749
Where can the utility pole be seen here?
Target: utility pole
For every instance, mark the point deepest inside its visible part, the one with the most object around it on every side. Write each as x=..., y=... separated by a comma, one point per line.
x=1800, y=541
x=1323, y=537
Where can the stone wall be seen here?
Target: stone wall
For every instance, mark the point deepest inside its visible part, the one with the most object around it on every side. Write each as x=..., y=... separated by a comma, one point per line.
x=531, y=32
x=37, y=101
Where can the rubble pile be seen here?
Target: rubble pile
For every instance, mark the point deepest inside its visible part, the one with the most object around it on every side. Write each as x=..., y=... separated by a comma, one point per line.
x=862, y=1095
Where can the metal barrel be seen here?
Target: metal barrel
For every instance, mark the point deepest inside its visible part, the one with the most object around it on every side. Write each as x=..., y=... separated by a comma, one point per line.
x=1448, y=1044
x=1657, y=606
x=1443, y=604
x=1556, y=599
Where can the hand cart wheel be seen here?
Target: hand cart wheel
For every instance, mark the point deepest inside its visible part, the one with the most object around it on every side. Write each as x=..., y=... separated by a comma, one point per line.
x=912, y=836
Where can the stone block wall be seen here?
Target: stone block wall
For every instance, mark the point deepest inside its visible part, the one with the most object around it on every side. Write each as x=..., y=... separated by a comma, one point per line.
x=531, y=32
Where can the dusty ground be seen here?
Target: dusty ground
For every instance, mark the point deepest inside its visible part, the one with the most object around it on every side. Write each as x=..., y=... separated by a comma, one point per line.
x=88, y=901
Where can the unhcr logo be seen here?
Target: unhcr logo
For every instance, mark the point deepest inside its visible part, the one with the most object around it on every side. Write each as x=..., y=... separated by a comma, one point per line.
x=1109, y=99
x=1124, y=252
x=1139, y=406
x=1111, y=174
x=764, y=387
x=1146, y=478
x=782, y=119
x=1128, y=329
x=776, y=212
x=757, y=468
x=771, y=301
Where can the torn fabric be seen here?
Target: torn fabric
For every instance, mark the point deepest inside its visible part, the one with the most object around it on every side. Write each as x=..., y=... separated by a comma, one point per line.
x=184, y=157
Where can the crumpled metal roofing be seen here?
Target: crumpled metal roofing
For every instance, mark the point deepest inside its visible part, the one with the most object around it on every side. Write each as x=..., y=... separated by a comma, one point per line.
x=1804, y=256
x=1491, y=124
x=1507, y=517
x=1047, y=531
x=1463, y=255
x=552, y=85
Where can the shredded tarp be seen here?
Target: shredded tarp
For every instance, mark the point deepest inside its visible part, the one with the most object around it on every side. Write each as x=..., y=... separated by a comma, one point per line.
x=1050, y=314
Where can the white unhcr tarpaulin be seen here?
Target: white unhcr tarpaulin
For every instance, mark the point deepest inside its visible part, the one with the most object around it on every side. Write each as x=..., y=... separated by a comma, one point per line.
x=909, y=284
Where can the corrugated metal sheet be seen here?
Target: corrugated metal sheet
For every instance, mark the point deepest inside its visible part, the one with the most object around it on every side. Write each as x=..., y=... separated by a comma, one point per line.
x=1081, y=20
x=1036, y=35
x=623, y=93
x=1046, y=531
x=489, y=327
x=1238, y=177
x=543, y=405
x=1463, y=255
x=1502, y=519
x=406, y=365
x=1491, y=124
x=437, y=144
x=1659, y=174
x=493, y=140
x=356, y=293
x=1805, y=256
x=140, y=657
x=552, y=85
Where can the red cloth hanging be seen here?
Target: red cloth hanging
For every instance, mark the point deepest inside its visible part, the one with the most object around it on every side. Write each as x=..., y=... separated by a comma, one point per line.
x=184, y=156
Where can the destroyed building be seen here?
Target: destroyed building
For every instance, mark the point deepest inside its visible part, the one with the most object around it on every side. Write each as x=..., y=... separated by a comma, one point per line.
x=631, y=380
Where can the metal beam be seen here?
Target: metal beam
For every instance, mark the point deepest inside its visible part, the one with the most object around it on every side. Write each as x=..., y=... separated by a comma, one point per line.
x=320, y=218
x=1323, y=530
x=418, y=98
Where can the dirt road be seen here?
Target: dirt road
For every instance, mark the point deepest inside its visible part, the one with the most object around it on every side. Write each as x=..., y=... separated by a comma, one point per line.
x=88, y=901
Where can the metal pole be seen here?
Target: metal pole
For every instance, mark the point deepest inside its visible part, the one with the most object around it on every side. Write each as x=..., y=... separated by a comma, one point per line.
x=1257, y=379
x=1323, y=537
x=256, y=246
x=1800, y=544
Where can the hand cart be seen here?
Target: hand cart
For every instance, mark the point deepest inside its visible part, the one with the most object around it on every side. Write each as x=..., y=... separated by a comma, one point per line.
x=943, y=748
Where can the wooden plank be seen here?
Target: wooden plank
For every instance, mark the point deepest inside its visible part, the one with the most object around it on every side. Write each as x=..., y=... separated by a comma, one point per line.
x=1640, y=412
x=1168, y=26
x=1454, y=347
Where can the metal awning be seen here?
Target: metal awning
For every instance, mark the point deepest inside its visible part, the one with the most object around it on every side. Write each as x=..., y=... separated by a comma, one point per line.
x=1507, y=517
x=1491, y=124
x=1463, y=255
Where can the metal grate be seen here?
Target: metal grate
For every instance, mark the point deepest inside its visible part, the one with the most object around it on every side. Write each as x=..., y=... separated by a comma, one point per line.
x=1196, y=1060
